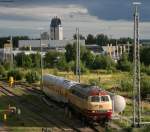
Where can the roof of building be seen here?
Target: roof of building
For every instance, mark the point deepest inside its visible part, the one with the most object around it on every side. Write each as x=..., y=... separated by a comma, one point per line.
x=55, y=22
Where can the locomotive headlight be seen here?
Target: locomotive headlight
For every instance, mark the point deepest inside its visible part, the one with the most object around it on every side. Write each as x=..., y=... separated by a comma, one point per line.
x=93, y=111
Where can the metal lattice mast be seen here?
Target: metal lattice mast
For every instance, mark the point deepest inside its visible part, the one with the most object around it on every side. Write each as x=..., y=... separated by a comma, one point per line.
x=136, y=81
x=78, y=55
x=11, y=52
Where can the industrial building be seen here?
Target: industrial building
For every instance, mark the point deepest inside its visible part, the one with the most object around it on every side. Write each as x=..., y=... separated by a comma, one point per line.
x=56, y=29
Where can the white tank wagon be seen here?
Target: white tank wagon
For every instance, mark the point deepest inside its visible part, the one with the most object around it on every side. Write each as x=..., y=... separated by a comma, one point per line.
x=118, y=102
x=57, y=87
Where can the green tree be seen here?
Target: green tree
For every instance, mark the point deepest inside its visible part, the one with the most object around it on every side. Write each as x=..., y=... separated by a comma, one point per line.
x=36, y=60
x=125, y=40
x=17, y=74
x=32, y=77
x=103, y=62
x=2, y=71
x=145, y=55
x=52, y=58
x=102, y=39
x=19, y=59
x=90, y=39
x=124, y=64
x=88, y=58
x=145, y=87
x=80, y=36
x=70, y=53
x=27, y=61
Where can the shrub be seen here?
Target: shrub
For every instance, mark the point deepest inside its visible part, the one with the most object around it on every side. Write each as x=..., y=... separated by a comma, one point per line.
x=83, y=68
x=126, y=85
x=32, y=77
x=145, y=69
x=103, y=62
x=2, y=71
x=124, y=64
x=94, y=82
x=145, y=87
x=17, y=74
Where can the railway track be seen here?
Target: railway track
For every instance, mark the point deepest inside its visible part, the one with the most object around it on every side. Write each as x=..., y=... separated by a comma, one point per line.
x=36, y=109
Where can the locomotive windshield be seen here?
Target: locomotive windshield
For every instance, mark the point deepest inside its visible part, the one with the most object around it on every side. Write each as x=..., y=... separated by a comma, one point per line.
x=99, y=98
x=104, y=98
x=95, y=99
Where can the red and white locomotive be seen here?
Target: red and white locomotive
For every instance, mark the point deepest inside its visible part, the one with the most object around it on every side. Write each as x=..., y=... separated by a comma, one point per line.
x=89, y=101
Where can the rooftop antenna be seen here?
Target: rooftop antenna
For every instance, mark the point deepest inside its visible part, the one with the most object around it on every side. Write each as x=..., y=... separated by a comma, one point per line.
x=136, y=69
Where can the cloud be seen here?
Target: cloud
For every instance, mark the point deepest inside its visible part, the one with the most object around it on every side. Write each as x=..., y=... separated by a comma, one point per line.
x=113, y=18
x=103, y=9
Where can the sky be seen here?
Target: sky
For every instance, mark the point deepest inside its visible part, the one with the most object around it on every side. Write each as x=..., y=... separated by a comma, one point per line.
x=111, y=17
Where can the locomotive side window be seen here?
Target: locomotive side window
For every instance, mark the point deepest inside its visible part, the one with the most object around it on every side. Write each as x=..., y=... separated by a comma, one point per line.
x=104, y=98
x=95, y=99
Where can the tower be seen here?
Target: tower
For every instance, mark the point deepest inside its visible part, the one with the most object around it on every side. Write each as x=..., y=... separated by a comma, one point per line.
x=136, y=76
x=56, y=29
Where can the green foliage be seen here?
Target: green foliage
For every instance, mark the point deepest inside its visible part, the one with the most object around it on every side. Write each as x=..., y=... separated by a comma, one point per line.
x=94, y=82
x=23, y=60
x=27, y=61
x=88, y=59
x=102, y=39
x=19, y=59
x=83, y=68
x=145, y=87
x=125, y=40
x=103, y=62
x=70, y=53
x=124, y=64
x=2, y=71
x=90, y=39
x=36, y=60
x=32, y=77
x=80, y=36
x=17, y=74
x=63, y=65
x=6, y=64
x=52, y=58
x=145, y=69
x=145, y=55
x=15, y=39
x=126, y=85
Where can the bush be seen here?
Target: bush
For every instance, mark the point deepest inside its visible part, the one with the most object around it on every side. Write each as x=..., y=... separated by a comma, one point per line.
x=126, y=85
x=32, y=77
x=145, y=69
x=124, y=64
x=17, y=74
x=6, y=65
x=2, y=71
x=145, y=87
x=83, y=68
x=103, y=62
x=94, y=82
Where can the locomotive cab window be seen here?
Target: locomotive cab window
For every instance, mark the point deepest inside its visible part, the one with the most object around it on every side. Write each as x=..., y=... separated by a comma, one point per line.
x=104, y=98
x=95, y=99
